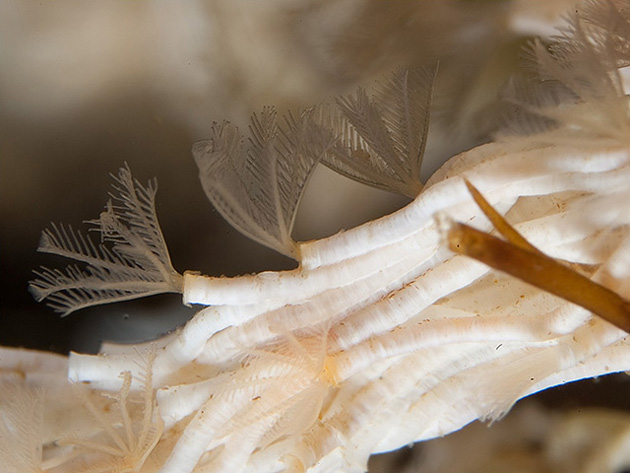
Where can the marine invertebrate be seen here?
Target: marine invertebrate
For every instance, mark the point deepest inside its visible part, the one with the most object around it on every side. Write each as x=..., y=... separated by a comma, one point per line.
x=137, y=264
x=382, y=336
x=126, y=434
x=414, y=347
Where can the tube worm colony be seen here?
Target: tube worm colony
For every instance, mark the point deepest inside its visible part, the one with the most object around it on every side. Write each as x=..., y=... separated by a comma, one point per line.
x=383, y=335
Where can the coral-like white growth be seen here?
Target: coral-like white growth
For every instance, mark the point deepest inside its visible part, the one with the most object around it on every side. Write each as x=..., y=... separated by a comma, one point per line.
x=418, y=341
x=127, y=429
x=382, y=336
x=136, y=262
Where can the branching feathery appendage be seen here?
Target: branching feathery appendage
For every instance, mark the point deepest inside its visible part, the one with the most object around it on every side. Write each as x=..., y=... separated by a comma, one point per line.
x=576, y=90
x=127, y=428
x=381, y=139
x=383, y=335
x=420, y=341
x=131, y=261
x=257, y=184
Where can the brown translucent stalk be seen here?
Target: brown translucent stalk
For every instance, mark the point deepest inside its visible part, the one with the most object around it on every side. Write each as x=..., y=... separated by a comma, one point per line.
x=522, y=260
x=512, y=235
x=497, y=220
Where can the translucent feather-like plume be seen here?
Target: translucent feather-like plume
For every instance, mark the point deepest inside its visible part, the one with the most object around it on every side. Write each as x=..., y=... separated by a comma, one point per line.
x=574, y=89
x=257, y=185
x=382, y=138
x=131, y=261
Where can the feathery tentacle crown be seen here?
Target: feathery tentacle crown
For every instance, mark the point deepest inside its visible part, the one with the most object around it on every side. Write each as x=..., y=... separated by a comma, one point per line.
x=131, y=261
x=388, y=333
